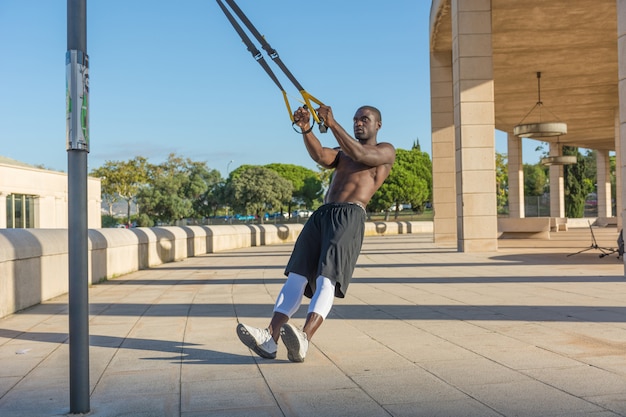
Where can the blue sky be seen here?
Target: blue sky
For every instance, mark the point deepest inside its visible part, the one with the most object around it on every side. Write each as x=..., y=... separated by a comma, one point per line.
x=174, y=77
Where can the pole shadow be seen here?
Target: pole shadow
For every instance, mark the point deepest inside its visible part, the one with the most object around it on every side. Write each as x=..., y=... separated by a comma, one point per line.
x=175, y=351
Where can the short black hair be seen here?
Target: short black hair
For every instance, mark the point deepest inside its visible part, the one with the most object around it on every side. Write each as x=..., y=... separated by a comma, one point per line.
x=375, y=110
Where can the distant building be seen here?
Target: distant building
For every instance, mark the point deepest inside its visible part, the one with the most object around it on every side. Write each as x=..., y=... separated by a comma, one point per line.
x=32, y=197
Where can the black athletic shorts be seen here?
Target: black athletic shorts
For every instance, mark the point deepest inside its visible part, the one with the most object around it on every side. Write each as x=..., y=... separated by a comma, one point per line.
x=329, y=245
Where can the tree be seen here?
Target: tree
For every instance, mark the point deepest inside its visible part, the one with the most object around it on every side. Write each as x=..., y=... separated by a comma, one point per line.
x=613, y=185
x=502, y=180
x=207, y=203
x=577, y=182
x=410, y=182
x=325, y=175
x=175, y=186
x=122, y=179
x=255, y=189
x=307, y=185
x=535, y=180
x=312, y=193
x=385, y=196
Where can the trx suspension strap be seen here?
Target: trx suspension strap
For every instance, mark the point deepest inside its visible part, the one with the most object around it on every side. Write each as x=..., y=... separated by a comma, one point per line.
x=308, y=98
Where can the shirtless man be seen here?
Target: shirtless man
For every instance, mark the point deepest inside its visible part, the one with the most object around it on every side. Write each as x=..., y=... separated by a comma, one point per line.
x=327, y=249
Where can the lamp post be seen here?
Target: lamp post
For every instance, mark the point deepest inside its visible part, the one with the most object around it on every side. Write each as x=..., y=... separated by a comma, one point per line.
x=77, y=138
x=227, y=174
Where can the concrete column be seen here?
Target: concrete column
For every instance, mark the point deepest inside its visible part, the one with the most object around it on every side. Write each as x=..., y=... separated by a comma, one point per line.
x=442, y=126
x=621, y=128
x=618, y=172
x=3, y=211
x=474, y=113
x=516, y=176
x=557, y=186
x=603, y=182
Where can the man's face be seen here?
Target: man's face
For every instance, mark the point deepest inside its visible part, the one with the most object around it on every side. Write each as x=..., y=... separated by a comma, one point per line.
x=366, y=124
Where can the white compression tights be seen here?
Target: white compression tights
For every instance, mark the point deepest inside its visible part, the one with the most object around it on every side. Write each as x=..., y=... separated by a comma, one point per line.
x=290, y=296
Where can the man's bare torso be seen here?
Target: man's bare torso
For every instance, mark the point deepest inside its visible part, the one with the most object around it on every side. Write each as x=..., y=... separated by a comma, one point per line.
x=354, y=182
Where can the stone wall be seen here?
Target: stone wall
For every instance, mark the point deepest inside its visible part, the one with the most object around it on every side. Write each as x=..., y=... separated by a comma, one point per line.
x=34, y=262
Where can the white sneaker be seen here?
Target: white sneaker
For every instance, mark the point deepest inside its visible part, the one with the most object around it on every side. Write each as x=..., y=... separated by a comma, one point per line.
x=295, y=341
x=259, y=340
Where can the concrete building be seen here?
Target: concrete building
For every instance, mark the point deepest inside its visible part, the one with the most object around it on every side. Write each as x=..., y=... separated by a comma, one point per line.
x=485, y=56
x=31, y=197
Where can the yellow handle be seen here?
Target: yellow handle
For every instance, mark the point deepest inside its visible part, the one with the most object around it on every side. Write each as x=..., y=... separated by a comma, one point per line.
x=308, y=98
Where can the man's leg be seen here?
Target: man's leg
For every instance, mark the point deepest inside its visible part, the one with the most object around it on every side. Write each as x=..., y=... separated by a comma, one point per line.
x=278, y=320
x=320, y=305
x=296, y=341
x=264, y=341
x=287, y=303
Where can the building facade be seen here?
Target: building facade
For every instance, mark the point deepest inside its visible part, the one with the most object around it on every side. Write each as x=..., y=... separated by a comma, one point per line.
x=31, y=197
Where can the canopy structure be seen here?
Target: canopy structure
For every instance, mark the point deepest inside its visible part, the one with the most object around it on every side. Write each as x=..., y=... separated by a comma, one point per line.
x=484, y=56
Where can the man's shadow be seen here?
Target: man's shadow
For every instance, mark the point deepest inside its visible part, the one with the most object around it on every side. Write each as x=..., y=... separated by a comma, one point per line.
x=187, y=353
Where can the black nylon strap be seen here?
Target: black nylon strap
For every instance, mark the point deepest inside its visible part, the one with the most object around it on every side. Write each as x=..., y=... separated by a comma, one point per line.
x=304, y=132
x=258, y=57
x=264, y=44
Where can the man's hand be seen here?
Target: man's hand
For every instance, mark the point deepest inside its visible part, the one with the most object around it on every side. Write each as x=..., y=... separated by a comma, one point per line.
x=326, y=113
x=302, y=118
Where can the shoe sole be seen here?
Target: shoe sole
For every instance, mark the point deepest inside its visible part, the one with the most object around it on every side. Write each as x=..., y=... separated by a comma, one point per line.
x=292, y=343
x=247, y=339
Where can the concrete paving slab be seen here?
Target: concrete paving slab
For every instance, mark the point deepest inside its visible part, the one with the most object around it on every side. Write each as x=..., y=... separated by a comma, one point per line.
x=530, y=398
x=7, y=383
x=218, y=395
x=467, y=407
x=424, y=331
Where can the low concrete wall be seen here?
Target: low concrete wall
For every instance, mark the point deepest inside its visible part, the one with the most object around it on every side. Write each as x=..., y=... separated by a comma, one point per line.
x=524, y=228
x=34, y=262
x=33, y=267
x=397, y=228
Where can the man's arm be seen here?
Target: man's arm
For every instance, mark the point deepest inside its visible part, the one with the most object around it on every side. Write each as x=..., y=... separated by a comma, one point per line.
x=371, y=155
x=324, y=156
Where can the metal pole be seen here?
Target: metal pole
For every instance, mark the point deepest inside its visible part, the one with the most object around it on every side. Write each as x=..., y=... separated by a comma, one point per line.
x=227, y=203
x=77, y=138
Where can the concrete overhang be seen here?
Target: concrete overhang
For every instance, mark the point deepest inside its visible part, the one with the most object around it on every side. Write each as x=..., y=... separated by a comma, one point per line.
x=573, y=43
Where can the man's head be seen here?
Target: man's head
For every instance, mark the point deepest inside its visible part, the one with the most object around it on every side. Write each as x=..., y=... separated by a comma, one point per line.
x=367, y=121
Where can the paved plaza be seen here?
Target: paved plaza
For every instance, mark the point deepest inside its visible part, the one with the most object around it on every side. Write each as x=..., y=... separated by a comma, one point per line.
x=424, y=331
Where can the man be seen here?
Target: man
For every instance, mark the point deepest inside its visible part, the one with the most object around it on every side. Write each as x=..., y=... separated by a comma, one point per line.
x=327, y=249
